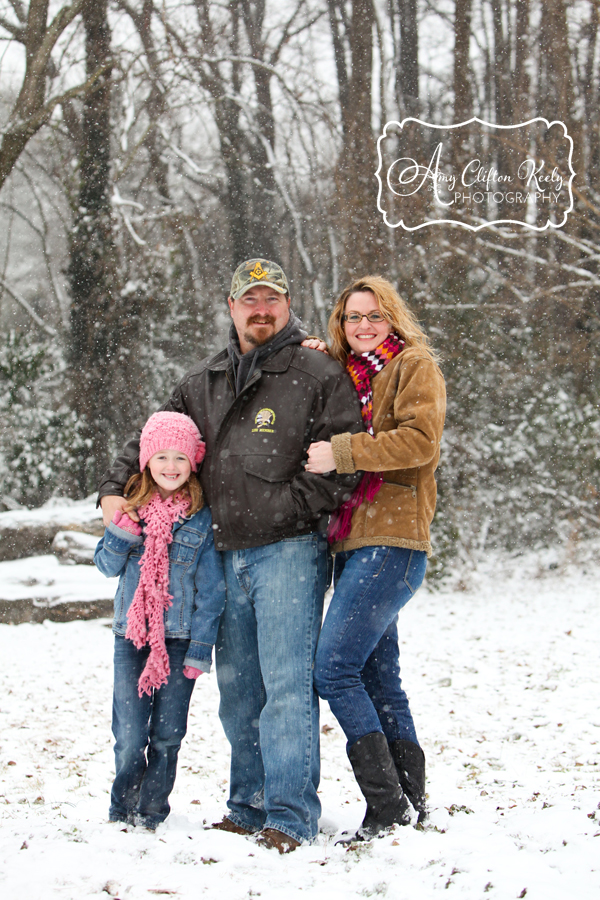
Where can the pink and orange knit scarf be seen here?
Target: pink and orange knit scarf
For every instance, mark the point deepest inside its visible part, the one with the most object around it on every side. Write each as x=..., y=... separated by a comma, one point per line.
x=145, y=619
x=362, y=368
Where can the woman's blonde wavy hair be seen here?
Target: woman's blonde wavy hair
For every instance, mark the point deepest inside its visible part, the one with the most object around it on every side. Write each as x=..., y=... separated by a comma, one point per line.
x=141, y=487
x=393, y=307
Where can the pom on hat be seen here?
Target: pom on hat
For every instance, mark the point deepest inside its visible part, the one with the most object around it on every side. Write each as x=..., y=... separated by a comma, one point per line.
x=171, y=431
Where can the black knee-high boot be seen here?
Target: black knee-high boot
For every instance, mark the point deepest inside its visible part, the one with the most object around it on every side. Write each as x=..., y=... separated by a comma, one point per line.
x=376, y=774
x=409, y=760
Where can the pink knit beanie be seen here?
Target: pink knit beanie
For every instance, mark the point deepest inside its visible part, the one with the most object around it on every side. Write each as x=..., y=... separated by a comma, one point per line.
x=171, y=431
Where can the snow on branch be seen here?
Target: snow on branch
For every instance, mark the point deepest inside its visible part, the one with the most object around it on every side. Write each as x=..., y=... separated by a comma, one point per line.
x=29, y=309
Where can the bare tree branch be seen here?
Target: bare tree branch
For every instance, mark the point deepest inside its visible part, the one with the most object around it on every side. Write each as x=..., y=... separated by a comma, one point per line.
x=29, y=309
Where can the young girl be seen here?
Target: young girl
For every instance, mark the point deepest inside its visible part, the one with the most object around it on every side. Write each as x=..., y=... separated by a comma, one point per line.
x=381, y=540
x=168, y=604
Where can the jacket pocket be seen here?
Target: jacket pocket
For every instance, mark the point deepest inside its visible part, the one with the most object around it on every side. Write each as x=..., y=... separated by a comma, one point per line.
x=271, y=468
x=184, y=547
x=393, y=512
x=268, y=496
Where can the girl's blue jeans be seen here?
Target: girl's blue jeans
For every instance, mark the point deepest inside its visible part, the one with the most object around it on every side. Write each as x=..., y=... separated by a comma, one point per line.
x=148, y=734
x=357, y=665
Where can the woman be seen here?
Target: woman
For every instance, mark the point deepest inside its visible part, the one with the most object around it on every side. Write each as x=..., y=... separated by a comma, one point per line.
x=381, y=540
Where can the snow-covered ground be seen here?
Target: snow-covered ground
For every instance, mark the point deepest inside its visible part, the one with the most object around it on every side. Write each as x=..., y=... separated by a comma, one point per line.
x=504, y=684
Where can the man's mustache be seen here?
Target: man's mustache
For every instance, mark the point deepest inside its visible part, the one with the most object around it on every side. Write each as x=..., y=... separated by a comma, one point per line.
x=261, y=320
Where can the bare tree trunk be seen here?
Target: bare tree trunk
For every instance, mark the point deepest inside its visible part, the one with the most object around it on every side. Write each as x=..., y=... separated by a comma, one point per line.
x=365, y=243
x=409, y=56
x=463, y=100
x=521, y=98
x=590, y=96
x=92, y=271
x=264, y=236
x=340, y=29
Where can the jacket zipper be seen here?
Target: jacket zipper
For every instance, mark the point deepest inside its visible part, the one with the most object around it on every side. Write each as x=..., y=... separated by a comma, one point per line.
x=224, y=426
x=409, y=487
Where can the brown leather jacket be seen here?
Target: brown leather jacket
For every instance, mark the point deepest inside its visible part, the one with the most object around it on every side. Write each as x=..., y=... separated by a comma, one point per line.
x=409, y=405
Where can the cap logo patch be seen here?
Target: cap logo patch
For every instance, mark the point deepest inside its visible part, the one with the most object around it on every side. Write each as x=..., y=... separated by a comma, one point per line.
x=258, y=272
x=264, y=420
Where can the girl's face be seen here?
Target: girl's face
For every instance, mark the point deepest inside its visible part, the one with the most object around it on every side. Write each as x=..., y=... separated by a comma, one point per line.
x=170, y=470
x=364, y=335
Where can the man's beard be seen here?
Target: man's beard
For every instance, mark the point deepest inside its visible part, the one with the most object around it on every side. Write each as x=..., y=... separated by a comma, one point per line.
x=253, y=339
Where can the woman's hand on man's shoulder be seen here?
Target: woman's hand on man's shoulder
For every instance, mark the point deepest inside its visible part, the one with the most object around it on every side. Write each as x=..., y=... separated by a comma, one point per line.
x=315, y=343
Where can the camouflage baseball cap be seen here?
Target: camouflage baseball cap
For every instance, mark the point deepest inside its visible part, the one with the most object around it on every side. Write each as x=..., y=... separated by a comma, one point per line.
x=261, y=272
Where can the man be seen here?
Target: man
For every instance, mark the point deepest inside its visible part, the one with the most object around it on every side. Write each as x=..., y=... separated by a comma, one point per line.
x=259, y=404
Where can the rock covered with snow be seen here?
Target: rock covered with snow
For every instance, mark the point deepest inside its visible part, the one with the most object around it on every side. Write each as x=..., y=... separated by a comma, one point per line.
x=74, y=547
x=30, y=532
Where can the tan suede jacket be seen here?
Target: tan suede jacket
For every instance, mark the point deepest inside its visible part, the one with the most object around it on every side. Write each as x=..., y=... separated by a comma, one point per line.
x=409, y=405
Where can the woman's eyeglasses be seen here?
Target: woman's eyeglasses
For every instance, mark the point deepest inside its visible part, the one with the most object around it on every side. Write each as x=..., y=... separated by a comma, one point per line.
x=355, y=318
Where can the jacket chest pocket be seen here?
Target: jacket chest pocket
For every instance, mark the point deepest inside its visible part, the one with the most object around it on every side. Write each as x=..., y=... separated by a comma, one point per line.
x=184, y=548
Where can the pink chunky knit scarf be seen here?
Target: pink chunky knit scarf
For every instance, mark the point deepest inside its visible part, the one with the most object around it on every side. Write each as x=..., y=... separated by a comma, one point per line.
x=145, y=619
x=362, y=368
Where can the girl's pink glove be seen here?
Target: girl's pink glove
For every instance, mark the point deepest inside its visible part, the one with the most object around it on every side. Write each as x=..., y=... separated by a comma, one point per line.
x=122, y=520
x=190, y=672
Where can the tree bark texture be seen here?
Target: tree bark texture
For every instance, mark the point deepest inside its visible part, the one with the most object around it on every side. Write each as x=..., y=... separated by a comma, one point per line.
x=358, y=217
x=409, y=57
x=94, y=335
x=461, y=83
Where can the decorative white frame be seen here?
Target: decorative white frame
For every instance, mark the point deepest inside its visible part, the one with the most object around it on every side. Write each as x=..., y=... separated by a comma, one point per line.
x=401, y=125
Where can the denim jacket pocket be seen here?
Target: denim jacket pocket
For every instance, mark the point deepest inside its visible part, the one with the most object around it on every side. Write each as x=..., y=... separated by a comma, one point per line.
x=186, y=542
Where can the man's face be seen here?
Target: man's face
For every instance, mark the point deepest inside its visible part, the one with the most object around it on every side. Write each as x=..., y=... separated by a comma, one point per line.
x=258, y=315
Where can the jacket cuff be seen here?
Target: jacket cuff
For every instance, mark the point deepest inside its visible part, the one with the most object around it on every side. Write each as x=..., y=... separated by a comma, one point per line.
x=341, y=446
x=196, y=664
x=199, y=656
x=109, y=489
x=123, y=535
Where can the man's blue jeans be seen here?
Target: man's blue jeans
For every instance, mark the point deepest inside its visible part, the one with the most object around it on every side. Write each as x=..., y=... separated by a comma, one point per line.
x=357, y=666
x=148, y=734
x=269, y=708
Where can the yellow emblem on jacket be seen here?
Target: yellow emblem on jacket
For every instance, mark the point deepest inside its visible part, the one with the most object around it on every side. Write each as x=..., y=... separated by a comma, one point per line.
x=264, y=420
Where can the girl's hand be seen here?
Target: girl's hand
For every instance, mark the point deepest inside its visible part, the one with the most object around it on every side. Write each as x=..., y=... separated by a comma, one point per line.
x=191, y=672
x=320, y=458
x=110, y=504
x=123, y=520
x=315, y=344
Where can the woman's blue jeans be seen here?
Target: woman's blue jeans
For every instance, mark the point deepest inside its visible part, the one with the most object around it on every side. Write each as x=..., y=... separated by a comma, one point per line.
x=148, y=733
x=269, y=708
x=357, y=666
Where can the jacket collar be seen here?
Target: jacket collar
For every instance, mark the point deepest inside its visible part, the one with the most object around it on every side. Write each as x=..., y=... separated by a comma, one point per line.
x=277, y=362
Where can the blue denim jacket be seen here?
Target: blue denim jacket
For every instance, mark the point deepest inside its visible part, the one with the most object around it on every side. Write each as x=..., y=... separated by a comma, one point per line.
x=196, y=582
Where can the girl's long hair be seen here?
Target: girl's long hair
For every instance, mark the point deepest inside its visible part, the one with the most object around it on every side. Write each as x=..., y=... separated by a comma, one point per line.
x=393, y=307
x=141, y=487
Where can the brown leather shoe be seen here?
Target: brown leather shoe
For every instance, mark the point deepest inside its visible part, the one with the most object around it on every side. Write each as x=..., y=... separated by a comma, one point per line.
x=273, y=839
x=227, y=825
